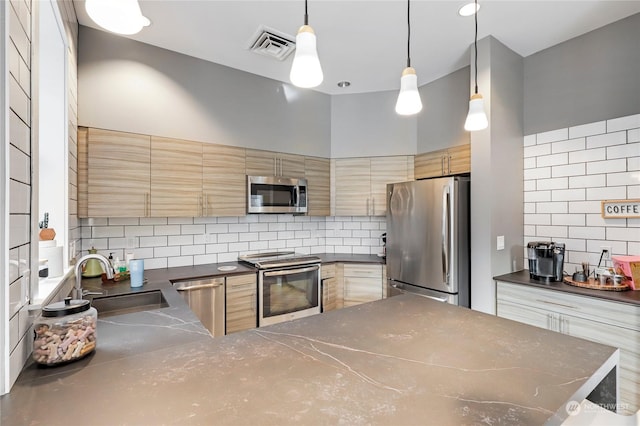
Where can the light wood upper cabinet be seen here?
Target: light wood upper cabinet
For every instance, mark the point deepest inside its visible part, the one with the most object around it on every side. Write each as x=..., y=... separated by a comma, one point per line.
x=317, y=173
x=176, y=177
x=385, y=170
x=360, y=184
x=118, y=174
x=269, y=163
x=83, y=171
x=352, y=189
x=224, y=183
x=444, y=162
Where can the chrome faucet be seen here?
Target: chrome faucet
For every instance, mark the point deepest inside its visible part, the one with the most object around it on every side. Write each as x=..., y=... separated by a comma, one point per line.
x=107, y=267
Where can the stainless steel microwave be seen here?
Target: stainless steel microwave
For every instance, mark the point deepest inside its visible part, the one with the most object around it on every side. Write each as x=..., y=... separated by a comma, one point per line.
x=274, y=194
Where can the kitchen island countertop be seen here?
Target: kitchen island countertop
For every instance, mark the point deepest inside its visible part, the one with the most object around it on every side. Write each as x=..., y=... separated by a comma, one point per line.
x=402, y=360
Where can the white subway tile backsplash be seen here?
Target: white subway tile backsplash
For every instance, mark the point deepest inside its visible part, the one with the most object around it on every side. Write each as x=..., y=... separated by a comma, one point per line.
x=179, y=261
x=552, y=231
x=195, y=249
x=223, y=248
x=552, y=160
x=248, y=236
x=258, y=245
x=123, y=221
x=228, y=238
x=587, y=181
x=552, y=136
x=204, y=259
x=204, y=220
x=180, y=240
x=277, y=244
x=628, y=178
x=193, y=229
x=568, y=195
x=590, y=129
x=171, y=251
x=567, y=146
x=552, y=207
x=573, y=219
x=258, y=227
x=107, y=231
x=623, y=123
x=569, y=170
x=598, y=154
x=529, y=140
x=608, y=166
x=537, y=219
x=180, y=221
x=541, y=173
x=238, y=227
x=277, y=226
x=138, y=231
x=623, y=151
x=267, y=236
x=607, y=139
x=153, y=221
x=554, y=183
x=166, y=230
x=565, y=205
x=609, y=193
x=537, y=196
x=537, y=150
x=239, y=247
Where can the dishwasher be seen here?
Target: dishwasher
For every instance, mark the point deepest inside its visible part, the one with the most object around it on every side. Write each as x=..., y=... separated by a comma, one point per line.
x=206, y=299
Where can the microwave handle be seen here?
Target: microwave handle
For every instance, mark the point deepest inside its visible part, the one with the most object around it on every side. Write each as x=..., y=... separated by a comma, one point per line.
x=296, y=195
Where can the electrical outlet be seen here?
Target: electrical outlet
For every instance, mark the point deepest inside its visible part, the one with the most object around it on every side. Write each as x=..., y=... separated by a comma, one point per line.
x=606, y=253
x=500, y=242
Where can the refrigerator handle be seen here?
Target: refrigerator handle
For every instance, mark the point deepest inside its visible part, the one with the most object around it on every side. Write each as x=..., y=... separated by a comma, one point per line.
x=446, y=233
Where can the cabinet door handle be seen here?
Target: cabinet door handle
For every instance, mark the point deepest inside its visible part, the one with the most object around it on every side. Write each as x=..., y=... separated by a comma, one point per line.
x=557, y=304
x=442, y=165
x=147, y=204
x=448, y=164
x=367, y=206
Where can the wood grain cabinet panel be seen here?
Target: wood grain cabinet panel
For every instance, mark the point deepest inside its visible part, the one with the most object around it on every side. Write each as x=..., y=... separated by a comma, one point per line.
x=607, y=322
x=317, y=173
x=224, y=182
x=118, y=174
x=241, y=302
x=352, y=186
x=83, y=172
x=176, y=178
x=362, y=283
x=270, y=163
x=444, y=162
x=385, y=170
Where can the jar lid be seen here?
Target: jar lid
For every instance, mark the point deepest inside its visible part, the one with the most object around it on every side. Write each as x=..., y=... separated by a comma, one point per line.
x=68, y=307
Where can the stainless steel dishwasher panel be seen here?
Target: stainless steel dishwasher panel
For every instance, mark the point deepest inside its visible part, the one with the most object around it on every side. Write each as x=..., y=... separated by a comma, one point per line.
x=206, y=299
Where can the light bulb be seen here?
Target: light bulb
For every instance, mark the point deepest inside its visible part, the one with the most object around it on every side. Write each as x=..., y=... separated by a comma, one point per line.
x=118, y=16
x=408, y=102
x=476, y=119
x=306, y=70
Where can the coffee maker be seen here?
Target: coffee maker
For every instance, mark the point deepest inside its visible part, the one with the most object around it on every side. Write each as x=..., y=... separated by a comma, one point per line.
x=546, y=260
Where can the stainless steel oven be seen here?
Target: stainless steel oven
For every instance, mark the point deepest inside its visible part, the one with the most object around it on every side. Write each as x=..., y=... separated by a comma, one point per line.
x=288, y=286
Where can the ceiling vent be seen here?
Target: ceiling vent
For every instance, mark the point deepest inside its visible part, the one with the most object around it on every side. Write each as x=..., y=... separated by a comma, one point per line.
x=272, y=43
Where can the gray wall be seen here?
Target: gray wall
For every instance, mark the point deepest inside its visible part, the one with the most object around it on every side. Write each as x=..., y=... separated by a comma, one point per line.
x=445, y=105
x=131, y=86
x=497, y=172
x=366, y=124
x=586, y=79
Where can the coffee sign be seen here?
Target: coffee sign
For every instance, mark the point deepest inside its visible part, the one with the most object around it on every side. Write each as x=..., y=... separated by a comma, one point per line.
x=620, y=209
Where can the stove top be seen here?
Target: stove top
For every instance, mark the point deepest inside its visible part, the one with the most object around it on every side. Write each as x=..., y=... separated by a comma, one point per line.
x=278, y=259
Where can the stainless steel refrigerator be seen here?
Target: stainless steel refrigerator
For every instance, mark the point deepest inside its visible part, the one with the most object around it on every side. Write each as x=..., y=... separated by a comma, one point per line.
x=428, y=247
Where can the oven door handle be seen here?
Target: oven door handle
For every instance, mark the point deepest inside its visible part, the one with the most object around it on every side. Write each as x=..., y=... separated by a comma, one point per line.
x=290, y=271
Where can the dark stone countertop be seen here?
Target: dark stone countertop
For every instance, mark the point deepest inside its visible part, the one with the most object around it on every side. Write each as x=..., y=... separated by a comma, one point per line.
x=522, y=277
x=402, y=360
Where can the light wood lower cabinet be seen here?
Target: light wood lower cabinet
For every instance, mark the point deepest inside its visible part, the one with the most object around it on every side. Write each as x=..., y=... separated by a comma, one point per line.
x=329, y=288
x=118, y=174
x=241, y=302
x=362, y=283
x=607, y=322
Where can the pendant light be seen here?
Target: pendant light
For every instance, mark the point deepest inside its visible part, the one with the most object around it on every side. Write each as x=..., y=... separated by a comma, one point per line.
x=476, y=119
x=306, y=70
x=408, y=102
x=118, y=16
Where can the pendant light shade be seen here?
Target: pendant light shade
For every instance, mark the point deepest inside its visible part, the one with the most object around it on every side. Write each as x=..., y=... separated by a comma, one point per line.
x=118, y=16
x=408, y=102
x=306, y=70
x=476, y=118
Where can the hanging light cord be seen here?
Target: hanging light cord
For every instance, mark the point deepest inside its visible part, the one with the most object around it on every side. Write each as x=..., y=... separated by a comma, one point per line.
x=475, y=45
x=408, y=34
x=306, y=15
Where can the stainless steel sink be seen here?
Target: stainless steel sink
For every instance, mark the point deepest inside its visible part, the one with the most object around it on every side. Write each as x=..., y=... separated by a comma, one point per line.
x=127, y=303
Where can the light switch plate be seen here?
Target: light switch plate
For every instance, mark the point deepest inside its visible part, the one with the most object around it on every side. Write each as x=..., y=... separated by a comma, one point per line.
x=500, y=242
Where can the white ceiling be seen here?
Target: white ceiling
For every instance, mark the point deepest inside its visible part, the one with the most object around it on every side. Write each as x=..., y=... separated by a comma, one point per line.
x=364, y=41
